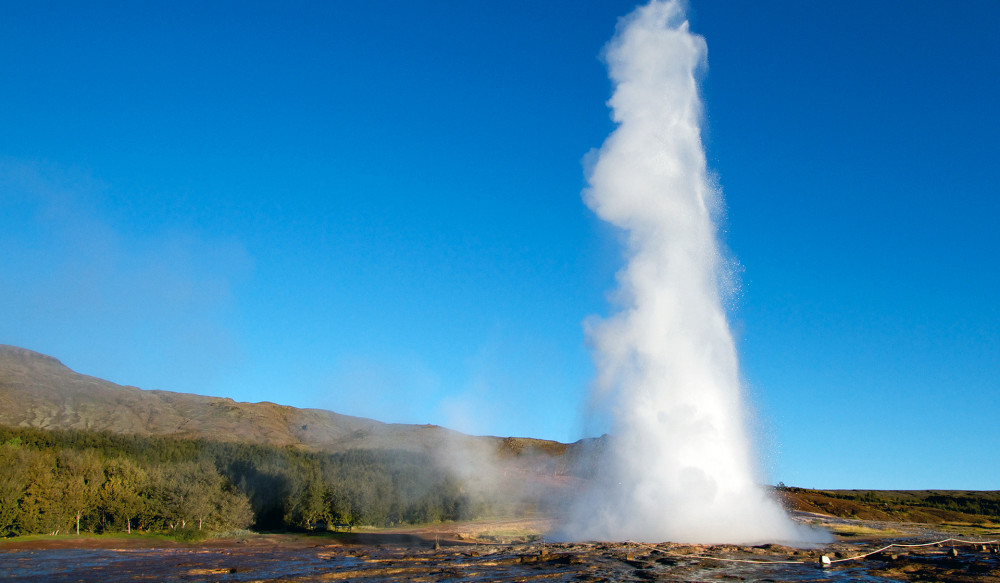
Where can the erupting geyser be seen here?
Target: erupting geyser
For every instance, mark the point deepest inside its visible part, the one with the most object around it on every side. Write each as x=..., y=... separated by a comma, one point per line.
x=678, y=465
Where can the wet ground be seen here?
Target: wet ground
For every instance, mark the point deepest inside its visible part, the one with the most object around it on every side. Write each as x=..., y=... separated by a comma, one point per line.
x=410, y=557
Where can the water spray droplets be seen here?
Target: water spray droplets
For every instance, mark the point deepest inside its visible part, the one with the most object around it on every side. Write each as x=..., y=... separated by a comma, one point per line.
x=679, y=465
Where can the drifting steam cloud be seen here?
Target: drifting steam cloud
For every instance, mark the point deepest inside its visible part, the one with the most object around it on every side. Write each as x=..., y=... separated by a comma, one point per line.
x=678, y=464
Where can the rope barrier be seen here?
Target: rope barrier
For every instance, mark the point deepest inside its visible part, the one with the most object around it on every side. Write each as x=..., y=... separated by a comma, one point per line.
x=957, y=540
x=825, y=560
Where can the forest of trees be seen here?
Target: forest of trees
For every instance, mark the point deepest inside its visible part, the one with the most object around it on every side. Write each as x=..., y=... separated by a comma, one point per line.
x=81, y=481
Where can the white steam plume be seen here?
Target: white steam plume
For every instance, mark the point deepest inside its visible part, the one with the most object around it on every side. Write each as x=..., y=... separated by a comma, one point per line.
x=678, y=465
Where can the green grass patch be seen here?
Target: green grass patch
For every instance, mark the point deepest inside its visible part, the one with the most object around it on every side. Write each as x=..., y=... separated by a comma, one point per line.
x=188, y=536
x=859, y=530
x=88, y=536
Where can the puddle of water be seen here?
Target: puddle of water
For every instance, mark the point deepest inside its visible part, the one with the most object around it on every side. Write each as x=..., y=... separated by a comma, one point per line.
x=128, y=566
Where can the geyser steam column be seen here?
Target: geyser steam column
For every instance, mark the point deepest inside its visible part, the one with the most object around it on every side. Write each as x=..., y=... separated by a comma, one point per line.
x=678, y=465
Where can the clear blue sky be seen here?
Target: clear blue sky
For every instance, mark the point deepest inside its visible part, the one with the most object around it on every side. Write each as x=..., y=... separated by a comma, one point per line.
x=375, y=208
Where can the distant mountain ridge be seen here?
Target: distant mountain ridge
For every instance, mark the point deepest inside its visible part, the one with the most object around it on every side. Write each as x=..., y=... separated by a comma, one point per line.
x=39, y=391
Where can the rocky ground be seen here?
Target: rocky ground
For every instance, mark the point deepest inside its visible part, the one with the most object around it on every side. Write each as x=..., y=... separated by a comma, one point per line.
x=503, y=551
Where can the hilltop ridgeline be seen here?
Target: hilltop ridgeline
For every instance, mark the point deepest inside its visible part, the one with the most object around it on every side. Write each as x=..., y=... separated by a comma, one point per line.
x=41, y=392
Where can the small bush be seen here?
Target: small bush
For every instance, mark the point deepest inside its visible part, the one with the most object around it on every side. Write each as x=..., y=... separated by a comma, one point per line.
x=189, y=535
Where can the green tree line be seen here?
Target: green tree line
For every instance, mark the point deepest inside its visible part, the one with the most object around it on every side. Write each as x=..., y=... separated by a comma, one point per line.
x=84, y=481
x=985, y=503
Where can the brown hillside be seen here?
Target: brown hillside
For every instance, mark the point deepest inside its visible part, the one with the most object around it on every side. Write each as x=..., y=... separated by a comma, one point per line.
x=39, y=391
